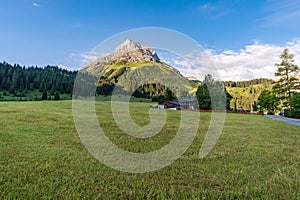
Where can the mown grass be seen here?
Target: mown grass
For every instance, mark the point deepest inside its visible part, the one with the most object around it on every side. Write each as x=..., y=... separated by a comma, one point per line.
x=42, y=157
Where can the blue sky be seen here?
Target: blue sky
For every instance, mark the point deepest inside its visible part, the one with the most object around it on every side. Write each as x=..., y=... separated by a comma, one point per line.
x=60, y=32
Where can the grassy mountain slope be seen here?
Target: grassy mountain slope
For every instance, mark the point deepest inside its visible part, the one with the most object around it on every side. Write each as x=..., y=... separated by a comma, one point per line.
x=130, y=75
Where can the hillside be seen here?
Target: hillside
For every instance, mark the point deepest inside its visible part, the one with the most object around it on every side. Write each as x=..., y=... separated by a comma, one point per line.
x=245, y=93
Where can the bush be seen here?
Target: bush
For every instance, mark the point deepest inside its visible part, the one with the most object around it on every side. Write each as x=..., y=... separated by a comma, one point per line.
x=292, y=113
x=295, y=104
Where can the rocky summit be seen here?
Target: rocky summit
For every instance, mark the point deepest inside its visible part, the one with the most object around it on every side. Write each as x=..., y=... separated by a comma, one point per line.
x=134, y=52
x=128, y=51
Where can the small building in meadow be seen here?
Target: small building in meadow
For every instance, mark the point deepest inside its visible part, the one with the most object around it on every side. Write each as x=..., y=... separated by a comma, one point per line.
x=178, y=104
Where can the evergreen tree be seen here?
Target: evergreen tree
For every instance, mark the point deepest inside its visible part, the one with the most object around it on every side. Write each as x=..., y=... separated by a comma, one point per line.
x=254, y=106
x=56, y=96
x=169, y=95
x=44, y=95
x=212, y=94
x=228, y=99
x=286, y=71
x=268, y=101
x=203, y=97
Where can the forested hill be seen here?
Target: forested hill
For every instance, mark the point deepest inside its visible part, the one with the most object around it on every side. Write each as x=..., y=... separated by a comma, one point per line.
x=17, y=81
x=245, y=93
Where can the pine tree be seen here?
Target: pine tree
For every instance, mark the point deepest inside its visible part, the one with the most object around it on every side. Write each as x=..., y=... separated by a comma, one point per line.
x=56, y=96
x=287, y=71
x=212, y=94
x=203, y=97
x=44, y=95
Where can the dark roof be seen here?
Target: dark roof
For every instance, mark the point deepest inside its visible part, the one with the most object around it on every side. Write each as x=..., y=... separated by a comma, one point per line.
x=186, y=99
x=181, y=101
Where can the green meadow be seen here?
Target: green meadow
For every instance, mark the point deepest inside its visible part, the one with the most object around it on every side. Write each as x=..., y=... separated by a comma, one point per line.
x=42, y=157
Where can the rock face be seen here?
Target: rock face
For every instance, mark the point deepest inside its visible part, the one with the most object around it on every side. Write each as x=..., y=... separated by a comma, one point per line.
x=134, y=52
x=129, y=51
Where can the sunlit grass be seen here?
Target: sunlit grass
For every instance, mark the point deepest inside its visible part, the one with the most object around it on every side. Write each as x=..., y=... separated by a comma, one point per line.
x=41, y=156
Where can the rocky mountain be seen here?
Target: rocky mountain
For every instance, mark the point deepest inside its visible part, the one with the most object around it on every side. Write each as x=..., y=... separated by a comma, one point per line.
x=129, y=51
x=134, y=52
x=133, y=65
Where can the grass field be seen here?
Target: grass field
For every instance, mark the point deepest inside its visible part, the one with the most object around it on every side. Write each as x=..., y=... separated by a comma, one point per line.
x=41, y=156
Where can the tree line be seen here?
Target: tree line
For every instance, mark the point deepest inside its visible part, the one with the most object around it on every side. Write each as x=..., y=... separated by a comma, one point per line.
x=18, y=80
x=243, y=84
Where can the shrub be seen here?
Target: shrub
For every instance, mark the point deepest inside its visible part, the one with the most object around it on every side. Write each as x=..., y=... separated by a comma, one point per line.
x=292, y=113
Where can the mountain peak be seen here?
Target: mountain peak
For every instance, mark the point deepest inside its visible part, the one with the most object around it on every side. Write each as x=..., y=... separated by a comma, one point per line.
x=128, y=45
x=134, y=52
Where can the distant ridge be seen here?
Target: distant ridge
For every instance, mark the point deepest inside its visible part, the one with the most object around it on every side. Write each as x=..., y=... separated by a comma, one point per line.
x=194, y=79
